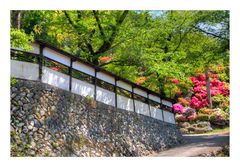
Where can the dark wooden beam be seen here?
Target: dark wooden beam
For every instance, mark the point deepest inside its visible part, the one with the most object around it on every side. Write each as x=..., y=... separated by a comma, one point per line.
x=134, y=109
x=115, y=90
x=148, y=101
x=95, y=85
x=40, y=61
x=70, y=75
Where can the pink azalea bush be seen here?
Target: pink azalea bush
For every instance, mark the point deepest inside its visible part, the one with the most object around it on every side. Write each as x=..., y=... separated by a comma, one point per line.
x=200, y=100
x=186, y=114
x=177, y=108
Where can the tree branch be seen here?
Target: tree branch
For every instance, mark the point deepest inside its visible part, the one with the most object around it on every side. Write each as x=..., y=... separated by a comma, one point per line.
x=69, y=19
x=95, y=13
x=181, y=39
x=209, y=33
x=88, y=45
x=107, y=43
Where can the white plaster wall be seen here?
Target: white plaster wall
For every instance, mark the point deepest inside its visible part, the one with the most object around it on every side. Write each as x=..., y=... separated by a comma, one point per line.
x=106, y=77
x=140, y=92
x=156, y=113
x=24, y=70
x=84, y=68
x=55, y=78
x=124, y=103
x=105, y=96
x=154, y=98
x=167, y=103
x=82, y=88
x=36, y=48
x=124, y=85
x=141, y=108
x=47, y=52
x=168, y=117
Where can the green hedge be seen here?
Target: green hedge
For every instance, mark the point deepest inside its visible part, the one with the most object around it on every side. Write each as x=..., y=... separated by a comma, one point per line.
x=202, y=117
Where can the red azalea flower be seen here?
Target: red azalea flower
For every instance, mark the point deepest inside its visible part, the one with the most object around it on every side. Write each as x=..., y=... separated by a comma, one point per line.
x=176, y=81
x=105, y=59
x=56, y=68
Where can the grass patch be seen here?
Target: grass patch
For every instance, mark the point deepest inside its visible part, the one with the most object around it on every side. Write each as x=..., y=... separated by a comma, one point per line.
x=218, y=130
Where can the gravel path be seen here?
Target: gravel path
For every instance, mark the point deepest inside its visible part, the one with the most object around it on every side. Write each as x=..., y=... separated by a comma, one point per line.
x=196, y=145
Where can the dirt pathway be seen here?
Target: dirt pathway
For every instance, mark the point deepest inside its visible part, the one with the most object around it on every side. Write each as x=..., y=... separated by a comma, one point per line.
x=196, y=145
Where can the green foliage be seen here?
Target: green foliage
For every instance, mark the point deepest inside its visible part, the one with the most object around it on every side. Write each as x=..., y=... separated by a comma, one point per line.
x=203, y=117
x=219, y=117
x=172, y=44
x=13, y=81
x=19, y=39
x=220, y=101
x=91, y=101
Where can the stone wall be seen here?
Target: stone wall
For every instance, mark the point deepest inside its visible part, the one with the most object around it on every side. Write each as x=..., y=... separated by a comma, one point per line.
x=47, y=121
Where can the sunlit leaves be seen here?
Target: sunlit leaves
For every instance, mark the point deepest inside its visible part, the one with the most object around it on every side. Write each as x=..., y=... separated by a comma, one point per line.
x=158, y=45
x=19, y=39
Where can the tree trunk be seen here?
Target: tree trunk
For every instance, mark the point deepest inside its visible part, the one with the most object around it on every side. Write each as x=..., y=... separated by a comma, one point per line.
x=161, y=86
x=208, y=88
x=16, y=19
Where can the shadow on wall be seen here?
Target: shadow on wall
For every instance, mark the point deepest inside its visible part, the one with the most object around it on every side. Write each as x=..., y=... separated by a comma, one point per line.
x=105, y=96
x=55, y=78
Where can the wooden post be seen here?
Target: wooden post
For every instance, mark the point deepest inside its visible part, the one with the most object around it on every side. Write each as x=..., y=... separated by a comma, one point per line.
x=162, y=109
x=115, y=90
x=95, y=85
x=70, y=75
x=133, y=100
x=40, y=62
x=148, y=101
x=174, y=114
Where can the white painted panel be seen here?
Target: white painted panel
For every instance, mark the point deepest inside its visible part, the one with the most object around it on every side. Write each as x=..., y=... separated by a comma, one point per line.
x=55, y=78
x=24, y=70
x=168, y=117
x=140, y=92
x=105, y=96
x=124, y=103
x=124, y=85
x=141, y=108
x=84, y=68
x=82, y=88
x=154, y=98
x=36, y=48
x=47, y=52
x=167, y=103
x=106, y=78
x=156, y=113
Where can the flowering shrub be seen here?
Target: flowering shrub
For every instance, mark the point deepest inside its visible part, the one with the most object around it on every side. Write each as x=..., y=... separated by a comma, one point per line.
x=218, y=118
x=177, y=108
x=221, y=102
x=183, y=101
x=203, y=117
x=184, y=114
x=193, y=116
x=200, y=100
x=207, y=111
x=181, y=118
